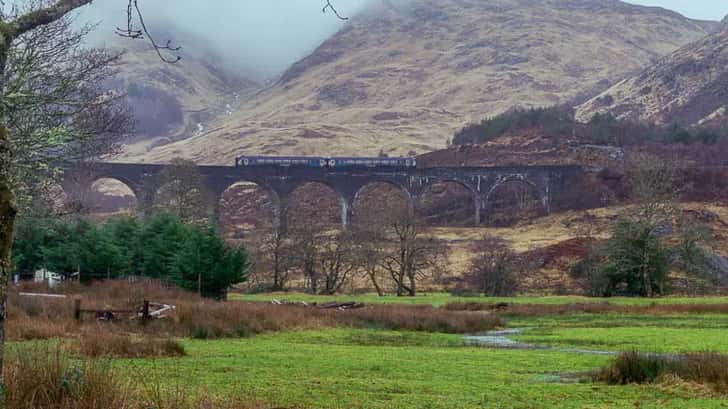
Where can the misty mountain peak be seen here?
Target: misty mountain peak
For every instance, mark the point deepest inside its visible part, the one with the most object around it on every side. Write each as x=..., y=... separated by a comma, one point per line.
x=403, y=75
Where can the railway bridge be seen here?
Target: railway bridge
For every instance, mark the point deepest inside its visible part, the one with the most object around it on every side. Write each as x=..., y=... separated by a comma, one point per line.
x=280, y=182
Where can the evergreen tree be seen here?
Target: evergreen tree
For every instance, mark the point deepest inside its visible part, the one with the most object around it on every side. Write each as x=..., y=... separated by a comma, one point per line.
x=161, y=239
x=207, y=265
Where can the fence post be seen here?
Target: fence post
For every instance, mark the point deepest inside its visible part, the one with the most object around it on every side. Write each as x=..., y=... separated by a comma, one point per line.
x=77, y=309
x=145, y=312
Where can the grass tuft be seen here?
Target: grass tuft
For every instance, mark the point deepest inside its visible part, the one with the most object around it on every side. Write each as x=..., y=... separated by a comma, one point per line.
x=707, y=368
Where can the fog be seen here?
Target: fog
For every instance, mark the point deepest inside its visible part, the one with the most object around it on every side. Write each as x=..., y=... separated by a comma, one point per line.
x=262, y=37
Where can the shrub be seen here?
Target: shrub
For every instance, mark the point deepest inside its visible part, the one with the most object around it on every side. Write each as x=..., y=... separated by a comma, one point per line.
x=637, y=261
x=706, y=368
x=493, y=271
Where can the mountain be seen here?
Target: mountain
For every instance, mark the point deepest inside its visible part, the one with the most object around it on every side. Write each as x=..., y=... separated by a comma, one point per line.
x=174, y=101
x=404, y=75
x=689, y=87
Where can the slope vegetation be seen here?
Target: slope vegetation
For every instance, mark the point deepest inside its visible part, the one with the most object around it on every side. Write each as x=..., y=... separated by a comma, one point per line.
x=404, y=75
x=689, y=87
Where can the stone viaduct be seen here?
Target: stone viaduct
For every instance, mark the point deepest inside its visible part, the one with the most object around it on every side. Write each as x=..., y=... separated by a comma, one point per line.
x=281, y=182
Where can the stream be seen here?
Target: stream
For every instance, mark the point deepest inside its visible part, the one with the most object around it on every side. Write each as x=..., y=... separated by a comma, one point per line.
x=503, y=339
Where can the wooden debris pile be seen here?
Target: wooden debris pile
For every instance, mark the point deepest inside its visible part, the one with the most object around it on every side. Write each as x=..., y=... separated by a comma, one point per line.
x=334, y=305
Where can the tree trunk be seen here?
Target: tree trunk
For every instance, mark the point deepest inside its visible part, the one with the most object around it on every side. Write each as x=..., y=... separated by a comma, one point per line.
x=373, y=278
x=7, y=223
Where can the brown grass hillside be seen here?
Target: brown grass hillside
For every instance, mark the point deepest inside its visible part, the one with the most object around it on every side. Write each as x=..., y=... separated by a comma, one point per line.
x=687, y=87
x=404, y=75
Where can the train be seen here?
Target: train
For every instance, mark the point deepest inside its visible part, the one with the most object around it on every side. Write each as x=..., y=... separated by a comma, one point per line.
x=325, y=162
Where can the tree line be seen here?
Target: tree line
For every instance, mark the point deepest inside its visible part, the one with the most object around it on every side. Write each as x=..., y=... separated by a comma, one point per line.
x=162, y=247
x=605, y=129
x=391, y=250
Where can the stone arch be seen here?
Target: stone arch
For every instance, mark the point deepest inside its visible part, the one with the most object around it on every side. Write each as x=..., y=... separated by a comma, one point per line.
x=260, y=208
x=101, y=193
x=384, y=199
x=514, y=198
x=449, y=202
x=316, y=201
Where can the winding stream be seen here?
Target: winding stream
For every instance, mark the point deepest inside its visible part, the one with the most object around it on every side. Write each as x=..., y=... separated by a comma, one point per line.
x=503, y=339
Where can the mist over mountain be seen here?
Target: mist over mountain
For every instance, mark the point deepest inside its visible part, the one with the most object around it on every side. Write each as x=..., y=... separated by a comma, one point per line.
x=403, y=76
x=261, y=38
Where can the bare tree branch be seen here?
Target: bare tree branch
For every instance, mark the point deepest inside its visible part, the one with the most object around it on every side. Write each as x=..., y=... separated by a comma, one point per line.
x=131, y=32
x=331, y=7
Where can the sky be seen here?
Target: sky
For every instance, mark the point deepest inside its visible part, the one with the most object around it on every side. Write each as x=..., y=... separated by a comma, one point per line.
x=264, y=37
x=698, y=9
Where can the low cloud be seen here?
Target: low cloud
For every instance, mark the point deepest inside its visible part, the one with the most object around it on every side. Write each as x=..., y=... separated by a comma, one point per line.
x=261, y=37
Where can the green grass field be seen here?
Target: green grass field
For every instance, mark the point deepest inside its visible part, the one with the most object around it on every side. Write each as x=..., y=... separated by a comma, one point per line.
x=373, y=369
x=611, y=332
x=343, y=368
x=439, y=299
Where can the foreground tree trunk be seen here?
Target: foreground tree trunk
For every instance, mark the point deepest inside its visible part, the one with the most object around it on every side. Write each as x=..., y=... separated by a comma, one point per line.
x=7, y=209
x=9, y=30
x=7, y=223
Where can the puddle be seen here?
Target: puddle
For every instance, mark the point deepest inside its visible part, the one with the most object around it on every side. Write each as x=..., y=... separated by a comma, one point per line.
x=503, y=340
x=498, y=339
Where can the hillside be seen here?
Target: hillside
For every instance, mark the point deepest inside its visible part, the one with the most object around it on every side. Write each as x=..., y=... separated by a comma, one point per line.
x=174, y=101
x=689, y=87
x=404, y=75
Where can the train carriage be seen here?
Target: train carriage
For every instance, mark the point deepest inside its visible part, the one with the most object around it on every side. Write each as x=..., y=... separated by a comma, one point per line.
x=283, y=161
x=373, y=162
x=325, y=162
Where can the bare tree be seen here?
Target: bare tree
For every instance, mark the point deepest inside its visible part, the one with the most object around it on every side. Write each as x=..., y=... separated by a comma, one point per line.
x=339, y=261
x=654, y=183
x=307, y=240
x=411, y=253
x=636, y=257
x=180, y=189
x=60, y=110
x=274, y=259
x=493, y=270
x=369, y=248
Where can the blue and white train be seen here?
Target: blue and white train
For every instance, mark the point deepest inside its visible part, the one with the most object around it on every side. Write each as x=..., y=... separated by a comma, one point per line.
x=325, y=162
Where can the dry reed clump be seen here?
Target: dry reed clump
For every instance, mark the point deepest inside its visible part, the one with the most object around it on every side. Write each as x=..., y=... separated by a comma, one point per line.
x=46, y=378
x=40, y=318
x=421, y=318
x=209, y=320
x=106, y=344
x=706, y=368
x=215, y=320
x=535, y=310
x=32, y=318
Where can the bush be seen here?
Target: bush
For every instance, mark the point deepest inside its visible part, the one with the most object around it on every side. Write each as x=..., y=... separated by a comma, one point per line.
x=637, y=261
x=706, y=368
x=493, y=271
